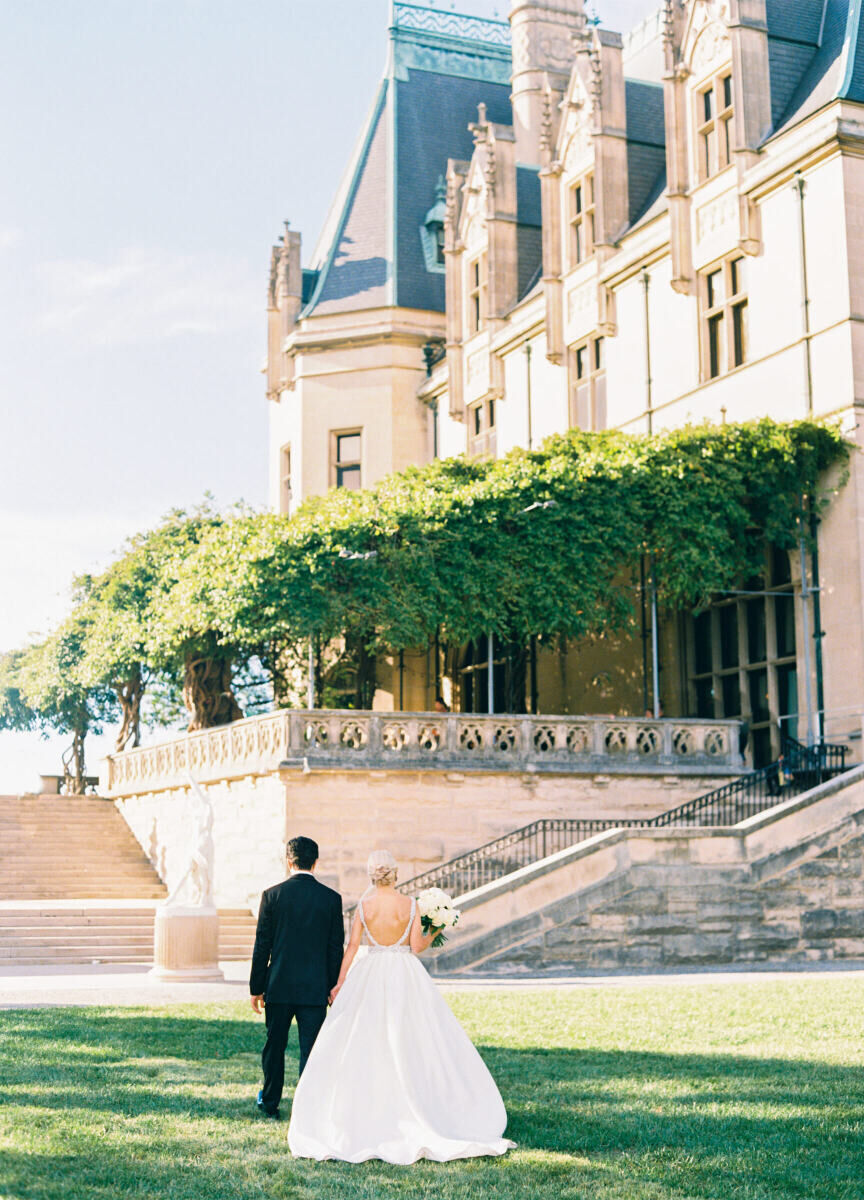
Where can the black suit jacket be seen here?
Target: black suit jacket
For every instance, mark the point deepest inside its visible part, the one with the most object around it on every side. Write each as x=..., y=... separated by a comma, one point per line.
x=298, y=942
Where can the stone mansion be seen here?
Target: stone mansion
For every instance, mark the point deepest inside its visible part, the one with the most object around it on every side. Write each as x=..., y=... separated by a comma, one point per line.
x=550, y=224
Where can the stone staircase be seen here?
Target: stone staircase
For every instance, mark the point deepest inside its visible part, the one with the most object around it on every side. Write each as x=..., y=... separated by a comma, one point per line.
x=784, y=885
x=76, y=887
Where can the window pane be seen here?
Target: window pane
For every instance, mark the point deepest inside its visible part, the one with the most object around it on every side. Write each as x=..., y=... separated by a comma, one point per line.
x=348, y=477
x=762, y=754
x=727, y=92
x=739, y=332
x=578, y=247
x=756, y=639
x=491, y=413
x=781, y=568
x=787, y=698
x=716, y=343
x=729, y=636
x=475, y=274
x=704, y=699
x=598, y=353
x=478, y=420
x=736, y=276
x=784, y=611
x=715, y=288
x=348, y=447
x=726, y=141
x=582, y=406
x=600, y=421
x=577, y=200
x=759, y=696
x=702, y=640
x=708, y=104
x=581, y=362
x=731, y=696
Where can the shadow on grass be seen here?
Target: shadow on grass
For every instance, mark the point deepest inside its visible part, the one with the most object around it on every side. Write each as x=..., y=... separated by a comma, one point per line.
x=138, y=1105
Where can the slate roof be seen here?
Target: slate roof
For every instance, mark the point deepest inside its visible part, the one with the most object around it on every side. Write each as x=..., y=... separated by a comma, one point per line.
x=442, y=65
x=816, y=55
x=371, y=253
x=646, y=145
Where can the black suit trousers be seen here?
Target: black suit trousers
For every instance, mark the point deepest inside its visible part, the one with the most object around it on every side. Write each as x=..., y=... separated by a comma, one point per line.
x=278, y=1018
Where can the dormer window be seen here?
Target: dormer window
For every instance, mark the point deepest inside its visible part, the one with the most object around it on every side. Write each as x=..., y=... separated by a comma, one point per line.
x=581, y=220
x=714, y=117
x=432, y=230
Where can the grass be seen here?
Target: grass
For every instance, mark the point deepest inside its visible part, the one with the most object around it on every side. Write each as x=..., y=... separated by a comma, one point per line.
x=739, y=1092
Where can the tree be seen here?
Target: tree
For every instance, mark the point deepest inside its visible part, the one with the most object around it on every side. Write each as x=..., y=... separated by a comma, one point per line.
x=40, y=690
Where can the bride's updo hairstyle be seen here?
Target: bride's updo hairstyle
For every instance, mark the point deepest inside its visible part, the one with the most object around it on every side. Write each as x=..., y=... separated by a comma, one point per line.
x=381, y=867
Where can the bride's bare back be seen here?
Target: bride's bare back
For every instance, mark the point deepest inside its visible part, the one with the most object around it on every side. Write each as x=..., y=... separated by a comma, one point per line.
x=386, y=912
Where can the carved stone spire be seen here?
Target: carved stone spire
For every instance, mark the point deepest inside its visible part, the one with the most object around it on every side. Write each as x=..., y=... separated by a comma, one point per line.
x=542, y=37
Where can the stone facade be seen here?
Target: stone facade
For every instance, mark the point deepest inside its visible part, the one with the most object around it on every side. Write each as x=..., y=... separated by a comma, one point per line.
x=661, y=227
x=787, y=885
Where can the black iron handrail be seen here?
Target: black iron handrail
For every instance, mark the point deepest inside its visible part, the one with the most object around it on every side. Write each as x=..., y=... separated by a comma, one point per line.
x=797, y=770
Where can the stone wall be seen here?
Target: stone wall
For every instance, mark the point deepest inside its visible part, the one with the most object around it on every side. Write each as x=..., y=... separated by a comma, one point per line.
x=248, y=834
x=423, y=817
x=787, y=885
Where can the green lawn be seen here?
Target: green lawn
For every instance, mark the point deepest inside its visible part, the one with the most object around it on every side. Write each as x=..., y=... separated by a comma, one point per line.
x=632, y=1093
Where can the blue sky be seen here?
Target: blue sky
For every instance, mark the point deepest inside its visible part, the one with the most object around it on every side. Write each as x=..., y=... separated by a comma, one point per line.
x=151, y=151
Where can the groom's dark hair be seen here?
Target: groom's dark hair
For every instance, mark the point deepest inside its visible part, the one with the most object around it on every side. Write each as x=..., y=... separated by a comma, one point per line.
x=302, y=853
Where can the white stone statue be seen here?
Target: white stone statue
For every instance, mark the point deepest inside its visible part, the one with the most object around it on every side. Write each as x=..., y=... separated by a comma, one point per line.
x=195, y=887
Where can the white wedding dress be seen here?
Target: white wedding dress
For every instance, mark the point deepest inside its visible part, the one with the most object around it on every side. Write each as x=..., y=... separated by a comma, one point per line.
x=392, y=1074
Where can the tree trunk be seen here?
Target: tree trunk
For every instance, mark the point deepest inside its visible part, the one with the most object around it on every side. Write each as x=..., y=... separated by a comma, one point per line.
x=130, y=693
x=74, y=768
x=207, y=691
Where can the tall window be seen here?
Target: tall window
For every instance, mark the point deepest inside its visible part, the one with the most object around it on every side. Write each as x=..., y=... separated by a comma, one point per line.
x=588, y=385
x=744, y=660
x=581, y=220
x=482, y=434
x=285, y=492
x=345, y=459
x=476, y=293
x=724, y=317
x=714, y=125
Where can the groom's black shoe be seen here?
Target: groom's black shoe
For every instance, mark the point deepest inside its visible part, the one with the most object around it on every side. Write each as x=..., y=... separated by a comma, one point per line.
x=273, y=1114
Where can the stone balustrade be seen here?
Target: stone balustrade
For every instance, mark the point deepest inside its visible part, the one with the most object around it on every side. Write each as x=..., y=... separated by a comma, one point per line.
x=348, y=739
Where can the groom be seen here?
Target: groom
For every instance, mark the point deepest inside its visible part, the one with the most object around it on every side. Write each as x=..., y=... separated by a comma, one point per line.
x=295, y=964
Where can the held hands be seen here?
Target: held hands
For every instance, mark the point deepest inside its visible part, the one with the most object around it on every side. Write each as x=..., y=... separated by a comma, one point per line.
x=257, y=1003
x=334, y=992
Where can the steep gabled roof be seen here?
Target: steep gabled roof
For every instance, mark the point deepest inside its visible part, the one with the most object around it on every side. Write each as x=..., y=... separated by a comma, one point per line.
x=440, y=67
x=816, y=56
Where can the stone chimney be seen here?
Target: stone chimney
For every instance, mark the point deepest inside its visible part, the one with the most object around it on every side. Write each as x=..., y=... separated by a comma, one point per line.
x=543, y=54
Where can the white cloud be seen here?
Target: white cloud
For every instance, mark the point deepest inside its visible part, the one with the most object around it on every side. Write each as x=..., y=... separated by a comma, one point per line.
x=143, y=295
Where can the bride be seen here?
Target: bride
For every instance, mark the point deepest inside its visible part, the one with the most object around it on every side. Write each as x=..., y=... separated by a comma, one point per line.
x=392, y=1074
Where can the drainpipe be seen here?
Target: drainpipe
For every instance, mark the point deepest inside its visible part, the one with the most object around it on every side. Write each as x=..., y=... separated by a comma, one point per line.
x=649, y=393
x=818, y=632
x=805, y=629
x=645, y=634
x=528, y=394
x=800, y=185
x=489, y=651
x=655, y=650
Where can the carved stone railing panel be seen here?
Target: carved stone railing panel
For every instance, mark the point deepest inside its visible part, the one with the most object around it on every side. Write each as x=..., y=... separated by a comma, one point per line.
x=447, y=741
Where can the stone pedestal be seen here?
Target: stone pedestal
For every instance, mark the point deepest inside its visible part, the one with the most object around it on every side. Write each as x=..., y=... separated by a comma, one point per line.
x=186, y=944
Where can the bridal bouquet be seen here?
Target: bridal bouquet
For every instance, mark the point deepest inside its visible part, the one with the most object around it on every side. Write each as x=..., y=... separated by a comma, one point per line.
x=436, y=912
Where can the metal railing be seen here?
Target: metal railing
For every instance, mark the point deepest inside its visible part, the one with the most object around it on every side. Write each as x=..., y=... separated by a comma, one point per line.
x=797, y=770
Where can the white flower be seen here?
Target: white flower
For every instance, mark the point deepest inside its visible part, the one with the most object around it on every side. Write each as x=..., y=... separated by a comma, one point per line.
x=432, y=900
